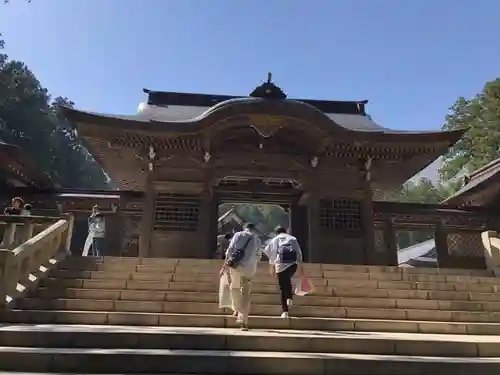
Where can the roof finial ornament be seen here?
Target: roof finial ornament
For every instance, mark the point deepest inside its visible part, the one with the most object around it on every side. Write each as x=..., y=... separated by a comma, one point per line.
x=268, y=90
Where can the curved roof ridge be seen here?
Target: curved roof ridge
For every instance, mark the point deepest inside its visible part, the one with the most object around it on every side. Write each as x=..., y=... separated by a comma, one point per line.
x=149, y=91
x=193, y=125
x=484, y=168
x=281, y=107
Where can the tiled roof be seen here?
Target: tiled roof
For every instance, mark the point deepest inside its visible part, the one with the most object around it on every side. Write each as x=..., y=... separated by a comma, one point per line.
x=484, y=178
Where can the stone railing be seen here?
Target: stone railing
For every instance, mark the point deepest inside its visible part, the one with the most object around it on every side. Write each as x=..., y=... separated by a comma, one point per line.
x=457, y=232
x=30, y=246
x=491, y=244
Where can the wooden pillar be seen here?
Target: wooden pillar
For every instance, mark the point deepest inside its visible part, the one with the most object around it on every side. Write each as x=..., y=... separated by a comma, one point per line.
x=314, y=240
x=114, y=232
x=299, y=227
x=147, y=221
x=390, y=240
x=62, y=207
x=214, y=216
x=367, y=216
x=80, y=228
x=208, y=224
x=441, y=242
x=122, y=206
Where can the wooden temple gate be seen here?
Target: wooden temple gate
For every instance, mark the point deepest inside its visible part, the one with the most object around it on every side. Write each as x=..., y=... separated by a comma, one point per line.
x=326, y=161
x=263, y=148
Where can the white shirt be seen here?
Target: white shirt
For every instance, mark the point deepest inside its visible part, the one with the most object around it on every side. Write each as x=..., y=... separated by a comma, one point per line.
x=273, y=245
x=97, y=226
x=252, y=244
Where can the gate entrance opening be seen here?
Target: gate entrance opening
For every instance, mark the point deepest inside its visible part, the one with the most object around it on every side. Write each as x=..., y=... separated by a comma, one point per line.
x=267, y=202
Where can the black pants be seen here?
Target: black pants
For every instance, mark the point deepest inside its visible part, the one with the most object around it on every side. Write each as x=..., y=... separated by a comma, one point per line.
x=285, y=283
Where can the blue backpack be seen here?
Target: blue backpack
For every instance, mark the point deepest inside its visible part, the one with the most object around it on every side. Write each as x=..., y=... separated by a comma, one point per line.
x=287, y=253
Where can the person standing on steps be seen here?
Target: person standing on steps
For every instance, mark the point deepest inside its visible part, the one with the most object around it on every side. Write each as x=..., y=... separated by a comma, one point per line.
x=285, y=257
x=97, y=231
x=242, y=257
x=16, y=207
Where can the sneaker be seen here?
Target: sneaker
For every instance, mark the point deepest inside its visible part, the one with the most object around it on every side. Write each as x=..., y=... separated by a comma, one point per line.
x=289, y=302
x=285, y=315
x=240, y=321
x=244, y=327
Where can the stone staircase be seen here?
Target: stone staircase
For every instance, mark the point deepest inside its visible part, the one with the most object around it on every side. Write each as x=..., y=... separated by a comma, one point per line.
x=112, y=315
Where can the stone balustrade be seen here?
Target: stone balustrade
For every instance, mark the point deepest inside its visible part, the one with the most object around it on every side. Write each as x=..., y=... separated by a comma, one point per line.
x=29, y=243
x=491, y=243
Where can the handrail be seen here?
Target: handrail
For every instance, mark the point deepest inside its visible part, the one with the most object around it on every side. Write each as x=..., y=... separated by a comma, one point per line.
x=5, y=219
x=491, y=244
x=23, y=254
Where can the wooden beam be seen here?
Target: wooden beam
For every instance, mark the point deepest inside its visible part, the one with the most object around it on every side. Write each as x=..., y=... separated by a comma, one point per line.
x=367, y=214
x=147, y=220
x=178, y=186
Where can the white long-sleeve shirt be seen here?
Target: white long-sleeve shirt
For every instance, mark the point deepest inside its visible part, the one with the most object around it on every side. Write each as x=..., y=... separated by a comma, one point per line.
x=274, y=244
x=248, y=265
x=97, y=226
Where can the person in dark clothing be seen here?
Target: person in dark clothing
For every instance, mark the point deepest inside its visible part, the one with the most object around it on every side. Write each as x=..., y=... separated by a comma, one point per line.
x=16, y=207
x=285, y=257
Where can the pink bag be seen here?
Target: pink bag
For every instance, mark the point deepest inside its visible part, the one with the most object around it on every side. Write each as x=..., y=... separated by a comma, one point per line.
x=304, y=287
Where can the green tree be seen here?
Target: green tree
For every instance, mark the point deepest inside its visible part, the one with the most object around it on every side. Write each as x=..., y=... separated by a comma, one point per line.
x=30, y=120
x=78, y=169
x=266, y=216
x=481, y=143
x=422, y=191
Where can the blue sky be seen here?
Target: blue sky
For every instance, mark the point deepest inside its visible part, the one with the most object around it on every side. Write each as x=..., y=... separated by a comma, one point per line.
x=410, y=59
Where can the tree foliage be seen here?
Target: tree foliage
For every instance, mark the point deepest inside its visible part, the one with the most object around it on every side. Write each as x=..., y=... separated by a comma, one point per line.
x=30, y=119
x=265, y=216
x=481, y=144
x=423, y=191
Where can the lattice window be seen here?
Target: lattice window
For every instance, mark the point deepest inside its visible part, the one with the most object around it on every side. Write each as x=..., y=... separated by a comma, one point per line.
x=465, y=244
x=326, y=216
x=176, y=212
x=340, y=214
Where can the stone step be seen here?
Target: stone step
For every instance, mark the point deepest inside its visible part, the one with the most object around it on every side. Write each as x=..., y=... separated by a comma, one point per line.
x=212, y=284
x=43, y=373
x=188, y=288
x=256, y=322
x=136, y=337
x=150, y=315
x=267, y=299
x=319, y=278
x=72, y=373
x=92, y=360
x=364, y=312
x=165, y=264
